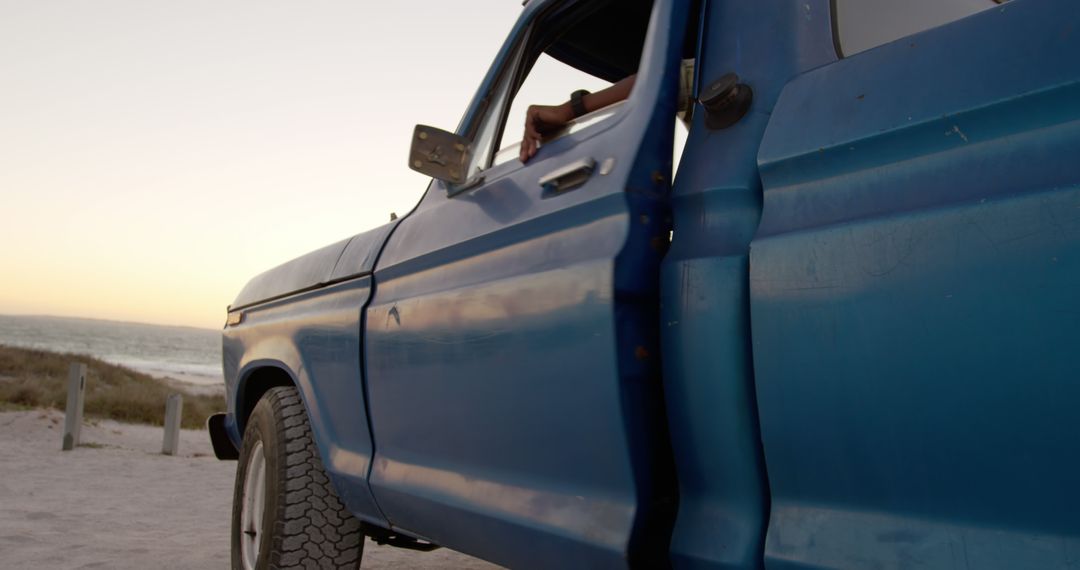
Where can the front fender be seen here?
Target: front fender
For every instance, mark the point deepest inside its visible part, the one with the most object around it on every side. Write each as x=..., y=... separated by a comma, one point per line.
x=311, y=341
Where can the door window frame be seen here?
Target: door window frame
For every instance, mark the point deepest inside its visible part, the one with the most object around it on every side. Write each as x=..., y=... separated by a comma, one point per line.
x=498, y=96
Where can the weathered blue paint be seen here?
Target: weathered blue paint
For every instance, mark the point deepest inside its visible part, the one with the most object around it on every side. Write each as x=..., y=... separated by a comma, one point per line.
x=511, y=375
x=866, y=319
x=359, y=256
x=708, y=374
x=309, y=336
x=303, y=318
x=913, y=293
x=347, y=258
x=309, y=270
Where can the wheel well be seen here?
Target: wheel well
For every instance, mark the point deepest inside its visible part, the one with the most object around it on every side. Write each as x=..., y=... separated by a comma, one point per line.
x=257, y=384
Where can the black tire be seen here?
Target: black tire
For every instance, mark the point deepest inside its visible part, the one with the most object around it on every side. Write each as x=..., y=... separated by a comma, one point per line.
x=304, y=525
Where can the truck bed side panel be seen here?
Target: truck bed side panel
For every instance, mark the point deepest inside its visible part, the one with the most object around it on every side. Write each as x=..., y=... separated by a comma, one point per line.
x=913, y=301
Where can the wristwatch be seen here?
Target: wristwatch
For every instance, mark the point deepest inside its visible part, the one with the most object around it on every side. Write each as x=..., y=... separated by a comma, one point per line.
x=577, y=102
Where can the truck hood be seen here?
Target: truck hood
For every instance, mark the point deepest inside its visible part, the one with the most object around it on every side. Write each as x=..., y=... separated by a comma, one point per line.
x=352, y=257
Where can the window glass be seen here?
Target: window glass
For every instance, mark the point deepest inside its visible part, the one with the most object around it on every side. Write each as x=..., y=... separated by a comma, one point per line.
x=550, y=82
x=604, y=40
x=864, y=24
x=486, y=134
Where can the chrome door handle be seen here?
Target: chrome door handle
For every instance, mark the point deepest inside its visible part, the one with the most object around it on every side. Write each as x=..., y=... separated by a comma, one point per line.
x=568, y=177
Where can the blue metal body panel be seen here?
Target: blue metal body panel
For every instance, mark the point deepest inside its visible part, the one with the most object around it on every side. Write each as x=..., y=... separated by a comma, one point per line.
x=708, y=373
x=310, y=269
x=913, y=301
x=867, y=317
x=511, y=346
x=359, y=256
x=304, y=320
x=346, y=258
x=314, y=337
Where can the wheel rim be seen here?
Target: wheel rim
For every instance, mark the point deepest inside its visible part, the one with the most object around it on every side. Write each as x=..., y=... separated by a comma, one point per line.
x=253, y=506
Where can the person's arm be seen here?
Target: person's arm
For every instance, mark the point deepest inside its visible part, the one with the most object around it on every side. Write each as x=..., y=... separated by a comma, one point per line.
x=541, y=120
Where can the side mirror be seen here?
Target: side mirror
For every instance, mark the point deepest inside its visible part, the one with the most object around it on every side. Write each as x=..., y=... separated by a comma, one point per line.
x=439, y=154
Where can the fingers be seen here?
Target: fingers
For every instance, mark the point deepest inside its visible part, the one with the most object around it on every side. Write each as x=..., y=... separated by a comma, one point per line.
x=541, y=120
x=532, y=120
x=529, y=147
x=526, y=151
x=532, y=134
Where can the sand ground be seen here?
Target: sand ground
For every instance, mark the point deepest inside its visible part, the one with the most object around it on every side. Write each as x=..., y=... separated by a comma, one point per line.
x=194, y=384
x=117, y=503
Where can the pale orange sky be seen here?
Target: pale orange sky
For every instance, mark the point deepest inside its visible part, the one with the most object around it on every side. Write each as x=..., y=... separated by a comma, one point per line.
x=157, y=154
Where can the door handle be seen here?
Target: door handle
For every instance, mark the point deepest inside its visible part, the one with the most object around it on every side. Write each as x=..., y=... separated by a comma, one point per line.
x=568, y=177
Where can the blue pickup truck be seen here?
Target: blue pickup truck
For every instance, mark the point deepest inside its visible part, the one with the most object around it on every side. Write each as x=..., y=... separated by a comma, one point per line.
x=835, y=323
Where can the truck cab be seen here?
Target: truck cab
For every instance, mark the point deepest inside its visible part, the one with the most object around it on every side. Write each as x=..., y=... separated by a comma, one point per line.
x=831, y=324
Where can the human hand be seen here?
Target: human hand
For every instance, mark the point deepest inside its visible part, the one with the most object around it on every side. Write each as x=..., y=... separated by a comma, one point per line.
x=540, y=121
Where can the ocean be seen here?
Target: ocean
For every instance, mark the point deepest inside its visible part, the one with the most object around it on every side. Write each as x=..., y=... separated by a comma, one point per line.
x=182, y=353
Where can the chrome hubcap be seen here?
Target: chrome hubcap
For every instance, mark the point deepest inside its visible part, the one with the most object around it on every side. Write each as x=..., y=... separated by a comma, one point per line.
x=254, y=503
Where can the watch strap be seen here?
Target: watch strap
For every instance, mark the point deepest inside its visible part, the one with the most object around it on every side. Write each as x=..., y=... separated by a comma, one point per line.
x=577, y=102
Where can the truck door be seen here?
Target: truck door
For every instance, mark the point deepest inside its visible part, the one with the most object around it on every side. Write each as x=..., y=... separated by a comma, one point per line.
x=913, y=295
x=511, y=351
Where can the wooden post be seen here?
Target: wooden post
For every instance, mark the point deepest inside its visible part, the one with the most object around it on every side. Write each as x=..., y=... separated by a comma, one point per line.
x=174, y=406
x=74, y=410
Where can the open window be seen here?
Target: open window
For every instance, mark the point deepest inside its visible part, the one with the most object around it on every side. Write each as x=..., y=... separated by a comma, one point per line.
x=584, y=45
x=589, y=48
x=550, y=81
x=570, y=46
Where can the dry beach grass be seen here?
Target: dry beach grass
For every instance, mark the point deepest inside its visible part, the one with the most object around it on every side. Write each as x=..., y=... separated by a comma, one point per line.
x=38, y=379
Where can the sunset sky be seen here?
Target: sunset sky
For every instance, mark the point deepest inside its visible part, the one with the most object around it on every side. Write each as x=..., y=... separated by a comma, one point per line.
x=156, y=154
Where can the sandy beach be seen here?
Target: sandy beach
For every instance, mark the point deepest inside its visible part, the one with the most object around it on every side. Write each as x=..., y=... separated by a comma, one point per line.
x=117, y=503
x=204, y=385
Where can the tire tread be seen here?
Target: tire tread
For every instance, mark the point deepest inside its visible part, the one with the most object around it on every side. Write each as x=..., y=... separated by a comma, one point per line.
x=313, y=529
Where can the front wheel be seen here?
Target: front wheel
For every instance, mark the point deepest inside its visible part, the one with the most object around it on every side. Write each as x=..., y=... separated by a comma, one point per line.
x=286, y=513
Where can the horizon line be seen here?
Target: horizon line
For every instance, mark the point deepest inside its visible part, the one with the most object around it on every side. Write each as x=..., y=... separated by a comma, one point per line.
x=116, y=321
